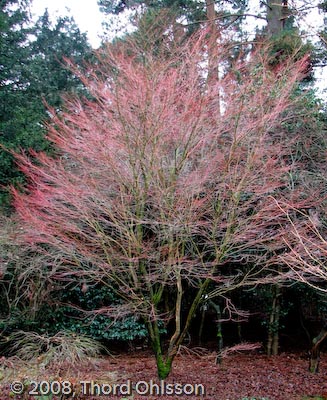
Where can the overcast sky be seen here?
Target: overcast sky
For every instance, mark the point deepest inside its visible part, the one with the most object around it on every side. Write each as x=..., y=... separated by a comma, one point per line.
x=85, y=12
x=88, y=17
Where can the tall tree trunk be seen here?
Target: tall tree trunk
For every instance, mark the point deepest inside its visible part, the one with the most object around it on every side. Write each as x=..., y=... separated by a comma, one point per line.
x=212, y=48
x=203, y=314
x=315, y=349
x=178, y=32
x=213, y=59
x=277, y=13
x=217, y=308
x=273, y=327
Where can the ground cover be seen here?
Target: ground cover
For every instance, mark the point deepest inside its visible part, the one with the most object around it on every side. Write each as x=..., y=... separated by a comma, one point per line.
x=239, y=377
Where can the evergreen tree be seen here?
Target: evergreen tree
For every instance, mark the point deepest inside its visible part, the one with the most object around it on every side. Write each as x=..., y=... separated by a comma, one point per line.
x=32, y=72
x=193, y=12
x=13, y=76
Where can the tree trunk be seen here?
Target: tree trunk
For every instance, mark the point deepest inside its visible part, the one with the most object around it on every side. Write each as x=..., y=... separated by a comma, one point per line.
x=239, y=332
x=277, y=13
x=213, y=59
x=178, y=32
x=219, y=335
x=273, y=327
x=315, y=350
x=203, y=313
x=220, y=342
x=212, y=48
x=164, y=364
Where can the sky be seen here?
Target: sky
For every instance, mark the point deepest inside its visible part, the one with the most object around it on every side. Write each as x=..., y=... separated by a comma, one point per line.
x=85, y=12
x=88, y=17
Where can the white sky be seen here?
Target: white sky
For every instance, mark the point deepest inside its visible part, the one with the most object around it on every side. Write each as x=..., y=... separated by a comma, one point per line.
x=85, y=12
x=89, y=18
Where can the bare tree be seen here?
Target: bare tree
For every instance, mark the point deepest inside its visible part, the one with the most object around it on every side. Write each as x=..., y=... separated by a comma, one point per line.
x=307, y=248
x=306, y=259
x=153, y=190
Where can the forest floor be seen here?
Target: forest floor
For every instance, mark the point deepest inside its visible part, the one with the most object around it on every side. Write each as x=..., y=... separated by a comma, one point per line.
x=239, y=377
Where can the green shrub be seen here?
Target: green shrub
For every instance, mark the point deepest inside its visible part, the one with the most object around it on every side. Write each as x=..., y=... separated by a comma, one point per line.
x=71, y=314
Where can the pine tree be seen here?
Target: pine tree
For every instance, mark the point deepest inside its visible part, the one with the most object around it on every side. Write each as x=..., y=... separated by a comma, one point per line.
x=32, y=72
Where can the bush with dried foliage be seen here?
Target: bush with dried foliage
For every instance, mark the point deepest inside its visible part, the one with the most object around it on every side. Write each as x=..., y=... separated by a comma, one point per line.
x=64, y=347
x=162, y=179
x=307, y=247
x=24, y=279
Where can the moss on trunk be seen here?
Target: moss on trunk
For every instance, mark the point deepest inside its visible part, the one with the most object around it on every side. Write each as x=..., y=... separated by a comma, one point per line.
x=163, y=366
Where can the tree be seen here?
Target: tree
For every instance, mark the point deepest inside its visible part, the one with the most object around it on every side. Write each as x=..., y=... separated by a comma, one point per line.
x=54, y=42
x=13, y=80
x=32, y=71
x=187, y=15
x=277, y=14
x=307, y=251
x=305, y=259
x=156, y=194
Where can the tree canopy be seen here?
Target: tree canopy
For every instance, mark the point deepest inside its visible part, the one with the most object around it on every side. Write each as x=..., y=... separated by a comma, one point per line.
x=159, y=178
x=156, y=188
x=33, y=72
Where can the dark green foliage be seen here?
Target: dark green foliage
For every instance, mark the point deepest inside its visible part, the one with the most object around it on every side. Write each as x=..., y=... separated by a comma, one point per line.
x=13, y=78
x=33, y=71
x=32, y=301
x=287, y=44
x=266, y=295
x=193, y=12
x=73, y=315
x=52, y=45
